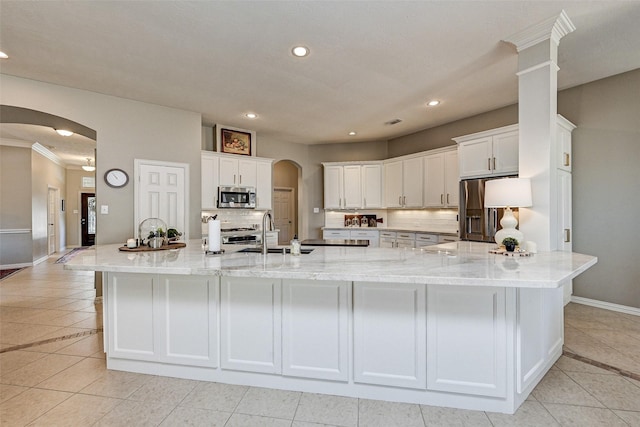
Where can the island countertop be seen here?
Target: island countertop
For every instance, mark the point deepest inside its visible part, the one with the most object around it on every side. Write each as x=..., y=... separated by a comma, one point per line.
x=457, y=263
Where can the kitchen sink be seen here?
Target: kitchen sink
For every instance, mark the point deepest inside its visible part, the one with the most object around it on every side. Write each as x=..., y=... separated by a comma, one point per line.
x=275, y=250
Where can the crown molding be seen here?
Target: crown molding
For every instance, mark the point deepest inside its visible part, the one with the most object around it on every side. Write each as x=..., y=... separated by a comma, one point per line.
x=41, y=149
x=9, y=142
x=553, y=29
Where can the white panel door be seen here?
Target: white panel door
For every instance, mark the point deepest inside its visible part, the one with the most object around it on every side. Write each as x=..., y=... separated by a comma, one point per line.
x=434, y=192
x=189, y=319
x=475, y=157
x=284, y=214
x=315, y=318
x=333, y=187
x=393, y=184
x=389, y=333
x=161, y=191
x=371, y=186
x=250, y=321
x=505, y=153
x=466, y=340
x=52, y=205
x=352, y=186
x=132, y=315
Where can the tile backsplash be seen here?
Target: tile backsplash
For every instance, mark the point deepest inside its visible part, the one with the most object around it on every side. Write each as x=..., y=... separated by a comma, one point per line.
x=436, y=220
x=230, y=218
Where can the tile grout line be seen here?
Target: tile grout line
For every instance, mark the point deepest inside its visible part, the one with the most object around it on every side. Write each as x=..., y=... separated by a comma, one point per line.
x=601, y=365
x=50, y=340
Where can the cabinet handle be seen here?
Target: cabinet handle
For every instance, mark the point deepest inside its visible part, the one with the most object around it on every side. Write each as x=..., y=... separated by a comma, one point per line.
x=567, y=235
x=240, y=179
x=234, y=178
x=400, y=200
x=489, y=163
x=567, y=160
x=364, y=202
x=447, y=198
x=441, y=199
x=404, y=200
x=494, y=163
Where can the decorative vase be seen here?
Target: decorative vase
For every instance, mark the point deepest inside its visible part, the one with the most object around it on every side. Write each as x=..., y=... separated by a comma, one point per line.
x=510, y=248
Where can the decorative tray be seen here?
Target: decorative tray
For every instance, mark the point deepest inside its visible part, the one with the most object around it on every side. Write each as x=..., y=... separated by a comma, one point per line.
x=176, y=245
x=507, y=253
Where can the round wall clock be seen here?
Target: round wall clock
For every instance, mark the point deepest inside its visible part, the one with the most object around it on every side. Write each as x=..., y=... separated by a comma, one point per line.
x=116, y=178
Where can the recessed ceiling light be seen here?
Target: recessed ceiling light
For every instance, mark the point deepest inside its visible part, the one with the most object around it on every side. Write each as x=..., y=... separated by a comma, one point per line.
x=64, y=132
x=352, y=133
x=3, y=55
x=251, y=115
x=300, y=51
x=433, y=103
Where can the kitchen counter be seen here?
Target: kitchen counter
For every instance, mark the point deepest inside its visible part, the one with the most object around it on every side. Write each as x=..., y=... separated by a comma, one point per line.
x=336, y=242
x=456, y=263
x=449, y=325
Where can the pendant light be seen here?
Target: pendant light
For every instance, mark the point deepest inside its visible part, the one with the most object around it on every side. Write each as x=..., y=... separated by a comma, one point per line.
x=89, y=167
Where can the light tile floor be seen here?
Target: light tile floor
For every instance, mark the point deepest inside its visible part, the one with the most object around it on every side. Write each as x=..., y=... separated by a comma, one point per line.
x=48, y=381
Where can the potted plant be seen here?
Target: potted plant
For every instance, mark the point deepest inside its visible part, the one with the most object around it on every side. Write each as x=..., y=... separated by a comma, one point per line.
x=510, y=243
x=173, y=235
x=156, y=238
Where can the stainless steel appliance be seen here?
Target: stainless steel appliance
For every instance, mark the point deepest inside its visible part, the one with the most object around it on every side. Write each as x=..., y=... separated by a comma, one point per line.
x=477, y=223
x=240, y=236
x=236, y=197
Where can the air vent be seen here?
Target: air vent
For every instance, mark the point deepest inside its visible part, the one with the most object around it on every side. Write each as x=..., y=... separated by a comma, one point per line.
x=393, y=122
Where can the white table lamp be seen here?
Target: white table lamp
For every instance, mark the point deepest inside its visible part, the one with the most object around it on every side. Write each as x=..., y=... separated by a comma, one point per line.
x=507, y=193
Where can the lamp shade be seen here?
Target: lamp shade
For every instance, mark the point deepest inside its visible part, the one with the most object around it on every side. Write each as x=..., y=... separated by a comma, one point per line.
x=508, y=192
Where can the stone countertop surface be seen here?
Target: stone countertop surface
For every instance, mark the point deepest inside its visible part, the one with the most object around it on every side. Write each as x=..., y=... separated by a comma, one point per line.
x=457, y=263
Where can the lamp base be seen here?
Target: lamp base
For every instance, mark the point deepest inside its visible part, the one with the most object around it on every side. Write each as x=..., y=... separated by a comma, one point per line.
x=509, y=224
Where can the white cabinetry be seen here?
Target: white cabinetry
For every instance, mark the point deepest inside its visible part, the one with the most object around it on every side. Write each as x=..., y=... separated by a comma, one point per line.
x=461, y=318
x=441, y=179
x=230, y=170
x=490, y=153
x=250, y=321
x=423, y=240
x=329, y=234
x=363, y=234
x=403, y=183
x=147, y=316
x=405, y=240
x=389, y=334
x=352, y=186
x=315, y=342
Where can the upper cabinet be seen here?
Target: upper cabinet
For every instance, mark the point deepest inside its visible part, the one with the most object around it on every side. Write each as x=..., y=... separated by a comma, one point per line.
x=563, y=144
x=231, y=170
x=403, y=182
x=352, y=185
x=490, y=153
x=441, y=180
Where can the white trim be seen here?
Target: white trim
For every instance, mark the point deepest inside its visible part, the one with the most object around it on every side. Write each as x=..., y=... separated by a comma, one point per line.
x=606, y=305
x=43, y=259
x=15, y=230
x=484, y=133
x=9, y=142
x=40, y=149
x=553, y=28
x=10, y=266
x=549, y=63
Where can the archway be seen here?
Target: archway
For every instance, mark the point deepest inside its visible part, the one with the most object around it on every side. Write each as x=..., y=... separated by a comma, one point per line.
x=287, y=175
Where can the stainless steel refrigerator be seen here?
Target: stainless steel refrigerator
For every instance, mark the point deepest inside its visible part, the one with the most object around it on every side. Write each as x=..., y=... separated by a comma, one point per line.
x=477, y=223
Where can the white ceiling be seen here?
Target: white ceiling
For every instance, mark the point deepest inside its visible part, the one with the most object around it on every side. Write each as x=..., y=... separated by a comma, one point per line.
x=370, y=61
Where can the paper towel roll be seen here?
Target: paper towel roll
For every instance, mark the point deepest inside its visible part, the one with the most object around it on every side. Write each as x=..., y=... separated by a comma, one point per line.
x=214, y=235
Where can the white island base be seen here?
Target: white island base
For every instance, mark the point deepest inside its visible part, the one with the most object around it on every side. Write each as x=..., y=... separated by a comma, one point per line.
x=470, y=347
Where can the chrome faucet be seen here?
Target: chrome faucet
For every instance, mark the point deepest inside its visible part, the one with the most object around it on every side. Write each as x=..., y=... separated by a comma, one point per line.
x=266, y=215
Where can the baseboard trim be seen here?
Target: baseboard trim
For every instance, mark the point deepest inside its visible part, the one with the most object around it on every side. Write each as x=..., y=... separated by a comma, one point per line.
x=12, y=266
x=606, y=305
x=40, y=260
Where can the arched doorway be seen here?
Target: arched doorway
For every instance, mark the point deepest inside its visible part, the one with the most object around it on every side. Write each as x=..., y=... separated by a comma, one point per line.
x=286, y=195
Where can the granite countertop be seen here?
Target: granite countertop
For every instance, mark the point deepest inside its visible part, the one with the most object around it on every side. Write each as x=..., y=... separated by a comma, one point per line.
x=457, y=263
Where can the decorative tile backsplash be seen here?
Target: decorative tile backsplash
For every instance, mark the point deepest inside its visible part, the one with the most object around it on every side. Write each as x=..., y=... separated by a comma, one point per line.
x=436, y=220
x=230, y=218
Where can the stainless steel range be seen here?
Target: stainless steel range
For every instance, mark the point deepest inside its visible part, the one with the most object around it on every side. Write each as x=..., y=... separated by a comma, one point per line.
x=240, y=236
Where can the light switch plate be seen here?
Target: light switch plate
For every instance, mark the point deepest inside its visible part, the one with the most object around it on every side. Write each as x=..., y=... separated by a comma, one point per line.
x=104, y=209
x=316, y=210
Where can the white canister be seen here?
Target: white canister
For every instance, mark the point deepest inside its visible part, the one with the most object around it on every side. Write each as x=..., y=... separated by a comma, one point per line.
x=531, y=247
x=131, y=243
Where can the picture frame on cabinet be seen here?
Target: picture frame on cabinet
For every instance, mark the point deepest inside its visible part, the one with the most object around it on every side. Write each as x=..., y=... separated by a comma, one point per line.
x=235, y=142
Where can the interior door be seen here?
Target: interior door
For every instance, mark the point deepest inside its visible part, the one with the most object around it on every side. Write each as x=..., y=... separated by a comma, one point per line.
x=161, y=193
x=52, y=199
x=284, y=214
x=88, y=219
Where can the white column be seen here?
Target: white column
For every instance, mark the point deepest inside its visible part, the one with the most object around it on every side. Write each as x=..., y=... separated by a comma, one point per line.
x=537, y=110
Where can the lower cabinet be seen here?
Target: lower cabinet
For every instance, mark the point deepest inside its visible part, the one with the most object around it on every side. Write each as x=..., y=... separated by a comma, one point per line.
x=163, y=318
x=389, y=334
x=315, y=333
x=250, y=322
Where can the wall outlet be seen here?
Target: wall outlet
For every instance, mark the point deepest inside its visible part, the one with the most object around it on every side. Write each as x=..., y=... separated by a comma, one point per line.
x=104, y=209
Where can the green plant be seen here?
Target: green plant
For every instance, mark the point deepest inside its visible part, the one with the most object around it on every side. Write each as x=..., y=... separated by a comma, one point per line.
x=509, y=241
x=172, y=232
x=157, y=233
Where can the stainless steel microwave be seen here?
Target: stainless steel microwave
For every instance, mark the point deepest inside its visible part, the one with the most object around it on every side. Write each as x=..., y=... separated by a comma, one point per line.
x=236, y=197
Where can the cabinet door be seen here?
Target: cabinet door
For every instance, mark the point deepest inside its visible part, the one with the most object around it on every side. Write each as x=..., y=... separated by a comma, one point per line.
x=333, y=187
x=563, y=144
x=475, y=157
x=132, y=314
x=228, y=171
x=371, y=186
x=264, y=186
x=434, y=189
x=314, y=329
x=209, y=185
x=412, y=183
x=389, y=334
x=467, y=340
x=564, y=211
x=370, y=235
x=505, y=153
x=329, y=234
x=352, y=187
x=250, y=324
x=189, y=320
x=393, y=184
x=451, y=179
x=247, y=173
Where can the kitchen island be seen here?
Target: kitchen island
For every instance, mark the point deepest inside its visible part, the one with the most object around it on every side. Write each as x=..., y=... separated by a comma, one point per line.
x=448, y=325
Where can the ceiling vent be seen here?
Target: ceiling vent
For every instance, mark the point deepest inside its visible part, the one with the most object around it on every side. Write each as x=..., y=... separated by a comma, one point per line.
x=393, y=122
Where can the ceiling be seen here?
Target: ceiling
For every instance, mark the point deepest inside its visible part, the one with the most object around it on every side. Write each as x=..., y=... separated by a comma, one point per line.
x=371, y=61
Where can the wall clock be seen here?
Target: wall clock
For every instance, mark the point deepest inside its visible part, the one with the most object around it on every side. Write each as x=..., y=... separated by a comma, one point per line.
x=116, y=178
